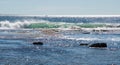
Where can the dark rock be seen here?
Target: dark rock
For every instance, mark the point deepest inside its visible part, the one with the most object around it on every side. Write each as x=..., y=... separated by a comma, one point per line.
x=38, y=43
x=83, y=44
x=98, y=45
x=86, y=32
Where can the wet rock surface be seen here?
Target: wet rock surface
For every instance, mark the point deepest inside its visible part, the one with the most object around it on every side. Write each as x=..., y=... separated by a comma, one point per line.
x=84, y=44
x=37, y=43
x=98, y=45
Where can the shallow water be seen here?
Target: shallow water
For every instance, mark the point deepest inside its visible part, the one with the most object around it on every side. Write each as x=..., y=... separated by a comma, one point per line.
x=60, y=51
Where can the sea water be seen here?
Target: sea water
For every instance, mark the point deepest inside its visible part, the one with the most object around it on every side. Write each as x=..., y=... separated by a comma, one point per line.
x=16, y=46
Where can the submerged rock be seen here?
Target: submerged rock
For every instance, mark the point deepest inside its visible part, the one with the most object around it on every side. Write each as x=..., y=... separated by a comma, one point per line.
x=37, y=43
x=84, y=44
x=86, y=32
x=98, y=45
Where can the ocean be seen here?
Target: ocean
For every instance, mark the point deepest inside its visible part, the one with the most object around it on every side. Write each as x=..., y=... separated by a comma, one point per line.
x=61, y=37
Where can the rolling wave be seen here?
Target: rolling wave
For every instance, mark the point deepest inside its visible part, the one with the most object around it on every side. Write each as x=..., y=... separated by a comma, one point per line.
x=15, y=22
x=13, y=25
x=45, y=24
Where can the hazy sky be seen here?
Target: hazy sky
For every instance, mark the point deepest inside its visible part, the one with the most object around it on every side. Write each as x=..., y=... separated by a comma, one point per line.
x=60, y=7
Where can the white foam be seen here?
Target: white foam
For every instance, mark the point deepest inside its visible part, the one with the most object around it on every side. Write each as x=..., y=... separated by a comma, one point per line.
x=82, y=38
x=14, y=25
x=91, y=38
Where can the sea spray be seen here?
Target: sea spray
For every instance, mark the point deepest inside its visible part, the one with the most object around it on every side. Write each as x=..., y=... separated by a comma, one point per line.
x=16, y=24
x=47, y=24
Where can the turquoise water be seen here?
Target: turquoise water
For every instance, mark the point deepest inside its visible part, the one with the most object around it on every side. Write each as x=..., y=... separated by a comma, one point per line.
x=64, y=25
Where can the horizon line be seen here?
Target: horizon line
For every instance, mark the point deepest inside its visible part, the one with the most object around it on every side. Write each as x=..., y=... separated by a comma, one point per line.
x=62, y=15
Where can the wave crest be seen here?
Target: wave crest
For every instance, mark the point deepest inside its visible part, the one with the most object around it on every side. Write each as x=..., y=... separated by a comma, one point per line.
x=47, y=24
x=14, y=25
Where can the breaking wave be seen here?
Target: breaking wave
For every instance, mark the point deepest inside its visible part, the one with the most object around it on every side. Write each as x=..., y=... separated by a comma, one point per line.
x=45, y=24
x=12, y=25
x=15, y=22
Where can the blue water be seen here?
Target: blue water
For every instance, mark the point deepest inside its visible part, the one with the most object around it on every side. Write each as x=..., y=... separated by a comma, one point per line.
x=63, y=19
x=57, y=51
x=16, y=47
